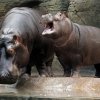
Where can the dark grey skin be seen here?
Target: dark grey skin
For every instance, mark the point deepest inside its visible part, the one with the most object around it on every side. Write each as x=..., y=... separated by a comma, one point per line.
x=22, y=45
x=75, y=45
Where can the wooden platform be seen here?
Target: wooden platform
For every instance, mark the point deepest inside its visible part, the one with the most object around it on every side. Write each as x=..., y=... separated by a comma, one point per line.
x=58, y=87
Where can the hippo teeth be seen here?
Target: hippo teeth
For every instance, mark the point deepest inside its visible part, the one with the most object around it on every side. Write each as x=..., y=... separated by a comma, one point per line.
x=49, y=28
x=48, y=31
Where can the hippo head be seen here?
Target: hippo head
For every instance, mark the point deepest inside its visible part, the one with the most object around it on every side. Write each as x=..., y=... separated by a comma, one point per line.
x=13, y=58
x=56, y=25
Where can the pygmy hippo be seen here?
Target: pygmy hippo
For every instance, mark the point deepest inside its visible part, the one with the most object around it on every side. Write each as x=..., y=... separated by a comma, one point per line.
x=22, y=45
x=75, y=45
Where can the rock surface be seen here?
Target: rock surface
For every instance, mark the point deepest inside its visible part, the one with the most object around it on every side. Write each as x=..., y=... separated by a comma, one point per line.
x=80, y=11
x=85, y=12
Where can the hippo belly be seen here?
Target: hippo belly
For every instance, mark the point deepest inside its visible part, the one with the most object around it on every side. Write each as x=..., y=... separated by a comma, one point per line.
x=89, y=44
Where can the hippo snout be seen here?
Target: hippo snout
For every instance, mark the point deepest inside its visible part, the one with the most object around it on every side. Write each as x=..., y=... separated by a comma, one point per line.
x=8, y=78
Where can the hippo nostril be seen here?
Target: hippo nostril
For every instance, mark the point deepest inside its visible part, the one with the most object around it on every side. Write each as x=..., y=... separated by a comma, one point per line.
x=4, y=73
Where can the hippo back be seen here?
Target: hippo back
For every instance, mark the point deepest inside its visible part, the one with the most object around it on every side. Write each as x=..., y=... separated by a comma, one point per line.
x=23, y=22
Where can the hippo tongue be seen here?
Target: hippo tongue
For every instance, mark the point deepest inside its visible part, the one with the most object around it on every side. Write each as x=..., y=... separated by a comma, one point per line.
x=48, y=31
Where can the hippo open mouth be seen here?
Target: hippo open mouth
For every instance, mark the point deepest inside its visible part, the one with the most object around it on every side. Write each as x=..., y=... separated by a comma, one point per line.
x=49, y=28
x=48, y=24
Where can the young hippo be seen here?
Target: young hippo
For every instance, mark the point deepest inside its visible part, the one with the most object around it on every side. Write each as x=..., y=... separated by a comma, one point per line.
x=75, y=45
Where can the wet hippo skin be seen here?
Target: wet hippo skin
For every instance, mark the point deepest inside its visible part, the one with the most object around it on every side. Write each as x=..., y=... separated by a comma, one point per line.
x=75, y=45
x=22, y=45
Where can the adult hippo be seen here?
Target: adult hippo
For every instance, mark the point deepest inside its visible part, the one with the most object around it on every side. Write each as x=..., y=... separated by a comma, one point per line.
x=75, y=45
x=22, y=45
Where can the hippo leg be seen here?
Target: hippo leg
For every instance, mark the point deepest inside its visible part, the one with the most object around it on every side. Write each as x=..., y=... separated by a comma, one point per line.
x=75, y=71
x=97, y=73
x=67, y=70
x=41, y=68
x=49, y=67
x=66, y=67
x=28, y=70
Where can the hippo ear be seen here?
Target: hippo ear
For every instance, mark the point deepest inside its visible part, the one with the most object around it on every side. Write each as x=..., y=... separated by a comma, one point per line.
x=65, y=13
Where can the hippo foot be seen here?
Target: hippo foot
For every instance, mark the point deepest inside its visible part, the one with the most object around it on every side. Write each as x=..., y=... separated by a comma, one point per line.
x=97, y=76
x=22, y=79
x=50, y=75
x=25, y=76
x=67, y=75
x=46, y=75
x=76, y=74
x=43, y=75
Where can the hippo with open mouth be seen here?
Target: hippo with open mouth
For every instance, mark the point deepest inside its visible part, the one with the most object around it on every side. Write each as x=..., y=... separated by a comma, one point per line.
x=75, y=45
x=22, y=45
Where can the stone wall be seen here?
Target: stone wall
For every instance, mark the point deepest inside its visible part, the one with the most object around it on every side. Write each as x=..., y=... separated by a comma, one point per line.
x=85, y=12
x=6, y=5
x=54, y=5
x=46, y=5
x=80, y=11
